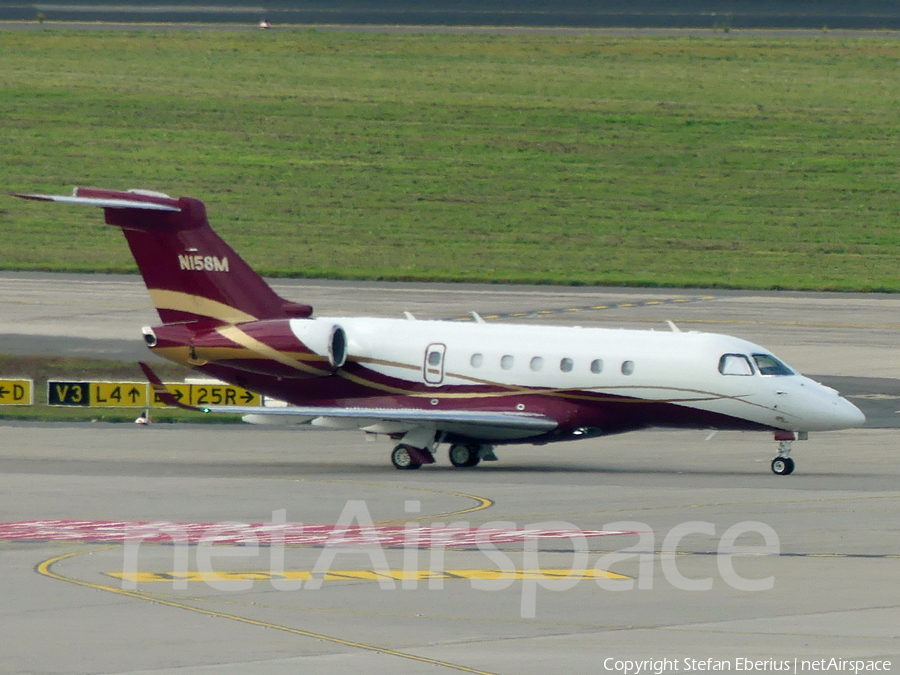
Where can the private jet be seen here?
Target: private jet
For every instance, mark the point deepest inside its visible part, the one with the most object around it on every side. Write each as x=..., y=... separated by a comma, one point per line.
x=471, y=386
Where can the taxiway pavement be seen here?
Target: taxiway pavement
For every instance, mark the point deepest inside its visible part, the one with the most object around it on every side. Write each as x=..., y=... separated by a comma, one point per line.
x=833, y=568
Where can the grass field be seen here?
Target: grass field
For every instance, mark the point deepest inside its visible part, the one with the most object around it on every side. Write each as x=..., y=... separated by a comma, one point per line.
x=573, y=160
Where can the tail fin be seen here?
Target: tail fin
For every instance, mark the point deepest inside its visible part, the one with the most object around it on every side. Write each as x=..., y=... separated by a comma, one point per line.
x=191, y=273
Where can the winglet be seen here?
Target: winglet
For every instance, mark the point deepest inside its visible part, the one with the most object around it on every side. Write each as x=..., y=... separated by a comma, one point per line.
x=160, y=390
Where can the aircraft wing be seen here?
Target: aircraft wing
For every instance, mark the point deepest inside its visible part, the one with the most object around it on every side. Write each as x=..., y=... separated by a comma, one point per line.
x=487, y=424
x=412, y=416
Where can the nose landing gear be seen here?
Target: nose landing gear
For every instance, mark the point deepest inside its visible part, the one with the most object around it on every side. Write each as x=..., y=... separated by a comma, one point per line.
x=783, y=465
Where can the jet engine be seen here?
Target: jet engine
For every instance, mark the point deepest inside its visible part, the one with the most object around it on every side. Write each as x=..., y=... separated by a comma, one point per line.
x=287, y=348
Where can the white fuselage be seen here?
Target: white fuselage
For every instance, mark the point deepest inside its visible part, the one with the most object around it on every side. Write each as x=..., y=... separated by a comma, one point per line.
x=679, y=368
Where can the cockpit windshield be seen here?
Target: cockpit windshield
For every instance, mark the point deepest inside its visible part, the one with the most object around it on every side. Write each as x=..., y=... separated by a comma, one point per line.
x=735, y=364
x=769, y=365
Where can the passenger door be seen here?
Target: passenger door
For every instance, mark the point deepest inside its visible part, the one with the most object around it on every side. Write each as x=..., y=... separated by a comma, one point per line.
x=433, y=368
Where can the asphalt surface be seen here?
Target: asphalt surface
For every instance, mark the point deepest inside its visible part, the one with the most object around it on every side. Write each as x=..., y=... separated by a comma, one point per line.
x=833, y=571
x=163, y=25
x=822, y=586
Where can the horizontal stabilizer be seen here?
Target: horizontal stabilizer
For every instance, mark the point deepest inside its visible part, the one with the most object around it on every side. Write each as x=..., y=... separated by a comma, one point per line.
x=123, y=200
x=161, y=391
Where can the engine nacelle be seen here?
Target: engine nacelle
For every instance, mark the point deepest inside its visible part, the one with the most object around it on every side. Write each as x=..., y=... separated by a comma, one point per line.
x=323, y=338
x=291, y=348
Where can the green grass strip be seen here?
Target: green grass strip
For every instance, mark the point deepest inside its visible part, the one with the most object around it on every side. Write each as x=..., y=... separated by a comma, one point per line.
x=664, y=161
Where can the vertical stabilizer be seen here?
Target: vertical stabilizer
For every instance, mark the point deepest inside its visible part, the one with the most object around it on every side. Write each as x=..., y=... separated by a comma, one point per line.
x=190, y=272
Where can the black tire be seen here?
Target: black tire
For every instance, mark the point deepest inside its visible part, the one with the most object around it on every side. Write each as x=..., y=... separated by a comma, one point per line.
x=402, y=460
x=783, y=466
x=464, y=456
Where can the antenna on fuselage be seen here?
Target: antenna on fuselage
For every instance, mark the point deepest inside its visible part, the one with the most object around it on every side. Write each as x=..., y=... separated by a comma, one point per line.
x=675, y=329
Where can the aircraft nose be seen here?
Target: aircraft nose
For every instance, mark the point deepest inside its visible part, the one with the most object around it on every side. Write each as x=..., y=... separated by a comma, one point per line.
x=828, y=410
x=848, y=415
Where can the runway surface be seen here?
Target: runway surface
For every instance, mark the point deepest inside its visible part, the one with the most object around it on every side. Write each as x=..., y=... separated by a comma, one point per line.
x=850, y=33
x=818, y=578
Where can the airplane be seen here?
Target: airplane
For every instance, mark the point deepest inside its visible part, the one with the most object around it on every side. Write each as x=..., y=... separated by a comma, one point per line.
x=472, y=386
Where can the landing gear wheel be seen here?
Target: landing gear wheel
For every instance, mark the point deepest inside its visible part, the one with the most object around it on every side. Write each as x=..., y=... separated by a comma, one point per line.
x=401, y=459
x=783, y=466
x=464, y=456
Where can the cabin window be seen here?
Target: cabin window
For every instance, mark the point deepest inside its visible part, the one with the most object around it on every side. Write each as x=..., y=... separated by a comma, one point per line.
x=735, y=364
x=597, y=366
x=434, y=358
x=627, y=367
x=507, y=362
x=476, y=360
x=769, y=365
x=566, y=365
x=537, y=363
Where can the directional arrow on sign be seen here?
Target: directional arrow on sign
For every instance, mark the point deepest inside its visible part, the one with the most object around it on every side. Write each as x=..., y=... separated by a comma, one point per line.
x=247, y=397
x=135, y=394
x=3, y=391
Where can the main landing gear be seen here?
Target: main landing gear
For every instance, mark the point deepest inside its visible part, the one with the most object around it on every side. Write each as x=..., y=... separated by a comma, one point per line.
x=407, y=457
x=464, y=456
x=783, y=465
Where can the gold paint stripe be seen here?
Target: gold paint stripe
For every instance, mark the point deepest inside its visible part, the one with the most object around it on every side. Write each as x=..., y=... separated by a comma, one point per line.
x=238, y=336
x=382, y=362
x=44, y=569
x=196, y=304
x=241, y=354
x=204, y=306
x=580, y=394
x=436, y=392
x=378, y=387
